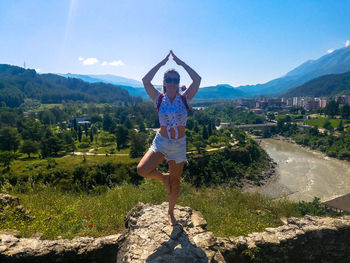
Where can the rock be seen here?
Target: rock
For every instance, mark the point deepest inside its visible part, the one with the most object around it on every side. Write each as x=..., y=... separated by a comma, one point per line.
x=81, y=249
x=198, y=220
x=156, y=241
x=6, y=199
x=284, y=220
x=9, y=205
x=12, y=232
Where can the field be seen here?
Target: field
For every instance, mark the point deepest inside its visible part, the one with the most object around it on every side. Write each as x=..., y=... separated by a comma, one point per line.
x=320, y=121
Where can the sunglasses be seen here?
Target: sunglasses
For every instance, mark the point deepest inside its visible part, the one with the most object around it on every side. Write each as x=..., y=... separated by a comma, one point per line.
x=169, y=80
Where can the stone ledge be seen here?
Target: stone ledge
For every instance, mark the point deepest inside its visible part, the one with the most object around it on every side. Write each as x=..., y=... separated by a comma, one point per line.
x=149, y=238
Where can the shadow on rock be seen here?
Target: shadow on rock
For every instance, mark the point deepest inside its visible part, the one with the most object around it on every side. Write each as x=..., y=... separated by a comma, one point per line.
x=178, y=249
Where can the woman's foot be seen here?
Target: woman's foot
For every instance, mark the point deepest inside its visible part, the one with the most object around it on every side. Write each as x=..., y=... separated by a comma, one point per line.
x=166, y=181
x=171, y=219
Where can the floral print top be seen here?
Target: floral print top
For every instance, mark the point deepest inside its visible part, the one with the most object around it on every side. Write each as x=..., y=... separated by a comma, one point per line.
x=173, y=114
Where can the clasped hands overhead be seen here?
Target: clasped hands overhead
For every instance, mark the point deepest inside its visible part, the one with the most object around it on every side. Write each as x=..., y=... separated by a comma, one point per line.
x=175, y=58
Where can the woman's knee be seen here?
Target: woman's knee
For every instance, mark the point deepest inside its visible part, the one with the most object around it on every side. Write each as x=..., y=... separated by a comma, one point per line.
x=141, y=170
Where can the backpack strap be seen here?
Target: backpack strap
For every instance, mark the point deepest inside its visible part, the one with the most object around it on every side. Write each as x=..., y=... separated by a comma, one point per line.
x=160, y=99
x=184, y=100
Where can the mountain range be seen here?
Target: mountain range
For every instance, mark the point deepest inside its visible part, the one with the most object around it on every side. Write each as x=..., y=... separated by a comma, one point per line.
x=135, y=88
x=334, y=63
x=321, y=77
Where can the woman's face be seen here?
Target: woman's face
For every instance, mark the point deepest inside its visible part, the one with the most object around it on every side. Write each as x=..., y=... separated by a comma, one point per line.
x=171, y=82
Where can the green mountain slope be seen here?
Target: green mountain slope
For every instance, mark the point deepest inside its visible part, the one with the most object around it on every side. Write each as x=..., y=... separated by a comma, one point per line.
x=17, y=83
x=324, y=86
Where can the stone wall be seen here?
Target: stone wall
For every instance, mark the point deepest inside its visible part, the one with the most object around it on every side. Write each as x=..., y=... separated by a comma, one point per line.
x=149, y=238
x=308, y=239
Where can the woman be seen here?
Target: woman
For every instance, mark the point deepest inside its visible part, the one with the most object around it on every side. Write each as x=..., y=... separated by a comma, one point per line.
x=170, y=141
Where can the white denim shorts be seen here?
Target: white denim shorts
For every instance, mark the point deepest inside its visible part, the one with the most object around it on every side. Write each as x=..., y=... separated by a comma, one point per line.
x=173, y=149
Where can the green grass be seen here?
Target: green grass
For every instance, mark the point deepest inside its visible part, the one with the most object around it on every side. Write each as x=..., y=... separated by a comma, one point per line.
x=112, y=149
x=68, y=162
x=228, y=211
x=319, y=122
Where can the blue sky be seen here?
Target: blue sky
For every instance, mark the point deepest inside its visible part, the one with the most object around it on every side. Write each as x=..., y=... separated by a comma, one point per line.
x=236, y=42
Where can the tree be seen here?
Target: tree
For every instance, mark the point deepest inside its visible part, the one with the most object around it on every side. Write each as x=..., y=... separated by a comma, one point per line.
x=108, y=123
x=340, y=126
x=198, y=143
x=210, y=130
x=50, y=146
x=332, y=108
x=9, y=139
x=80, y=133
x=91, y=136
x=205, y=133
x=6, y=158
x=28, y=147
x=213, y=140
x=196, y=128
x=122, y=136
x=47, y=117
x=106, y=138
x=68, y=141
x=137, y=144
x=327, y=125
x=345, y=111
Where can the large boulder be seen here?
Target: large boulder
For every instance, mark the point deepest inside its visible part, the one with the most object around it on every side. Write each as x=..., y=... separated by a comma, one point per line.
x=150, y=238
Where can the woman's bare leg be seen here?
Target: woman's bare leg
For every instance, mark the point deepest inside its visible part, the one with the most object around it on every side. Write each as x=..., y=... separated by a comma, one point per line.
x=147, y=168
x=175, y=170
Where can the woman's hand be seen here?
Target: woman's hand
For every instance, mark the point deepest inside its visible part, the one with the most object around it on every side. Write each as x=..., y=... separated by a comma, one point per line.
x=176, y=59
x=165, y=60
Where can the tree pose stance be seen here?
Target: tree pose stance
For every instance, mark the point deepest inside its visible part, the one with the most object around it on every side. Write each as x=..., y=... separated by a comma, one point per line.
x=170, y=140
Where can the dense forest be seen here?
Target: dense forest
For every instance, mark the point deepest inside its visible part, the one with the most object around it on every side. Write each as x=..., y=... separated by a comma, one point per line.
x=18, y=84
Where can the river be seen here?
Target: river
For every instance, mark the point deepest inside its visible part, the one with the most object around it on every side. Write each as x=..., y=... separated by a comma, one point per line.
x=304, y=174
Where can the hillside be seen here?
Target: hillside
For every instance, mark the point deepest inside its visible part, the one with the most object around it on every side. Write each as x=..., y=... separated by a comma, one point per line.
x=17, y=84
x=106, y=78
x=327, y=86
x=134, y=87
x=221, y=91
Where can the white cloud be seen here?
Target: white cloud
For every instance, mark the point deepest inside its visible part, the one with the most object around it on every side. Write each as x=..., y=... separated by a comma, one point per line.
x=90, y=61
x=115, y=63
x=80, y=58
x=347, y=43
x=330, y=50
x=37, y=70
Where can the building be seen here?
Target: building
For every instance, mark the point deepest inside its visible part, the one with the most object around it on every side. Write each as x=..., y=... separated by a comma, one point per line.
x=322, y=102
x=296, y=101
x=343, y=99
x=311, y=104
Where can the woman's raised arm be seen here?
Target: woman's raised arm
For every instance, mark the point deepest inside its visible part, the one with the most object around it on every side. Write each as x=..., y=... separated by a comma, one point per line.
x=146, y=80
x=196, y=79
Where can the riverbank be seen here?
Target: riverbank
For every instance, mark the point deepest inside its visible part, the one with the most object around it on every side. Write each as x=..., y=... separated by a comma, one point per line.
x=304, y=173
x=306, y=148
x=269, y=175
